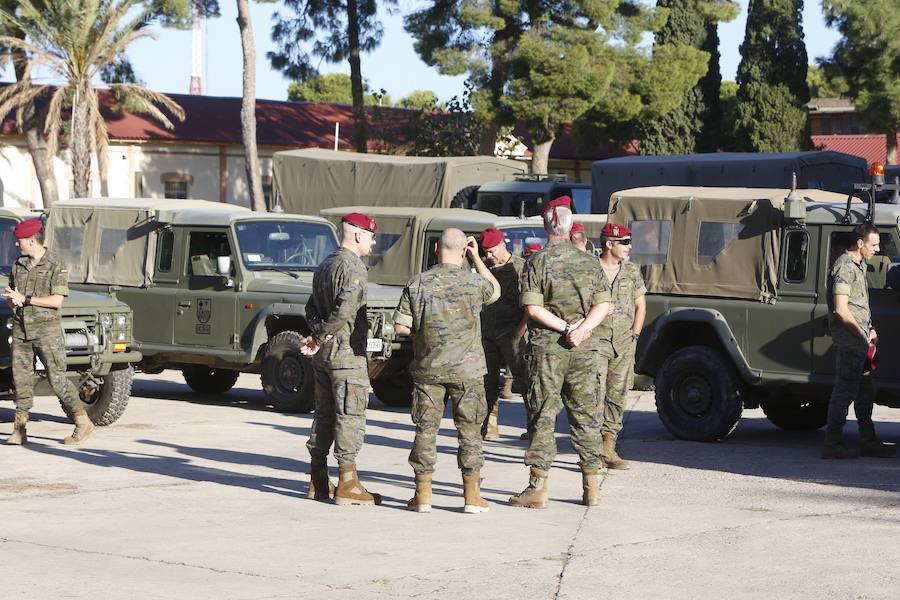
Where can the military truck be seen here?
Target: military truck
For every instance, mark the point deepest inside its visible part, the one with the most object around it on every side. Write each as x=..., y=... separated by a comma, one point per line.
x=216, y=289
x=526, y=195
x=737, y=309
x=98, y=336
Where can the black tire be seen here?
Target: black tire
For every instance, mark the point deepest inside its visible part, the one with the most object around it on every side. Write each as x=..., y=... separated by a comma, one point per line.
x=699, y=395
x=465, y=198
x=394, y=391
x=795, y=413
x=209, y=381
x=108, y=402
x=287, y=375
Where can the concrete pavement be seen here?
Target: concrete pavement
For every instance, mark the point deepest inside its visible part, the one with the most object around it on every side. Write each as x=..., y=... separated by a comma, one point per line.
x=196, y=497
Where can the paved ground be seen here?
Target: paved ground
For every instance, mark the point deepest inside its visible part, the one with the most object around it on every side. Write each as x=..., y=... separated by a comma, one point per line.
x=194, y=497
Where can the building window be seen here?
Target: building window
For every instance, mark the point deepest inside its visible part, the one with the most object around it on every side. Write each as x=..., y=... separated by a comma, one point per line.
x=176, y=185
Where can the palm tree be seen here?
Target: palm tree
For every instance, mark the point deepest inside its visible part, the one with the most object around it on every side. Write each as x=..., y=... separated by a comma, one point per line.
x=73, y=40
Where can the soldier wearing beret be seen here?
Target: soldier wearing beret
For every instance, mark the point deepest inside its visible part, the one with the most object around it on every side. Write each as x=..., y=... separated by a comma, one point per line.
x=618, y=334
x=336, y=313
x=579, y=237
x=441, y=309
x=38, y=285
x=565, y=297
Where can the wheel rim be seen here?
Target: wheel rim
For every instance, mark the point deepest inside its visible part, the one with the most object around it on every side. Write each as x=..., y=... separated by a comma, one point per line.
x=694, y=395
x=290, y=374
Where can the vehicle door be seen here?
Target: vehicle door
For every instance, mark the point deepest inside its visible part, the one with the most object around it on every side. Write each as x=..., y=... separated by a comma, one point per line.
x=206, y=302
x=154, y=306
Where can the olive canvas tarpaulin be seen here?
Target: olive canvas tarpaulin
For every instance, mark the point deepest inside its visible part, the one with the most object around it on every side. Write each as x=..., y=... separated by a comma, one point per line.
x=309, y=180
x=731, y=238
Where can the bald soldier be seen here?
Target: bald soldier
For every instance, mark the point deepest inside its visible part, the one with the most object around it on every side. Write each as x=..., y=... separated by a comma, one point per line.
x=336, y=313
x=441, y=310
x=565, y=297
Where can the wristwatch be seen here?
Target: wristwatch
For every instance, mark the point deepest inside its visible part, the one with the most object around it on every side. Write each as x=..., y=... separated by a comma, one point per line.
x=635, y=336
x=27, y=301
x=567, y=329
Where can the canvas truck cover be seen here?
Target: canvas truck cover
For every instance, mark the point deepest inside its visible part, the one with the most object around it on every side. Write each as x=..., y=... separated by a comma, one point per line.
x=312, y=179
x=722, y=242
x=821, y=170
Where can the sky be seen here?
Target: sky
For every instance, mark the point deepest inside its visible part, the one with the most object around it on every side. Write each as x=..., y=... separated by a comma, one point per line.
x=165, y=63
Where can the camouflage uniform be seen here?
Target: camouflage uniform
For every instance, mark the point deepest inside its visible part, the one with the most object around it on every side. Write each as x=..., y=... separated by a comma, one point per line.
x=567, y=282
x=851, y=385
x=442, y=307
x=337, y=307
x=617, y=345
x=38, y=330
x=499, y=322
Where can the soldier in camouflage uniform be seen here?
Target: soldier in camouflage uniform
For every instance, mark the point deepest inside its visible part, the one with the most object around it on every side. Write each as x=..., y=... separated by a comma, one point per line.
x=579, y=237
x=440, y=308
x=38, y=285
x=502, y=325
x=336, y=313
x=852, y=332
x=566, y=297
x=618, y=334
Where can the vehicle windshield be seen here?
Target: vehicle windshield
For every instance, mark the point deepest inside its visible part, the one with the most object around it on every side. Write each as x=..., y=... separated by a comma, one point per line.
x=291, y=245
x=8, y=250
x=518, y=238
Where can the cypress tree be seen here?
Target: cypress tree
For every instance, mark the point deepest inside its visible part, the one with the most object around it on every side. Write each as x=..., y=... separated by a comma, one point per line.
x=773, y=92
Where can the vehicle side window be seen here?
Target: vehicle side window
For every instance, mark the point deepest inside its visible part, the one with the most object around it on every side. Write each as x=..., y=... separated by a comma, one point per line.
x=110, y=242
x=383, y=243
x=492, y=203
x=650, y=241
x=714, y=238
x=796, y=256
x=882, y=270
x=431, y=253
x=166, y=251
x=8, y=250
x=68, y=242
x=204, y=248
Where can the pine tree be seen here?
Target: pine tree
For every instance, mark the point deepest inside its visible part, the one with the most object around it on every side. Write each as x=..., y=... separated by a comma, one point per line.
x=771, y=114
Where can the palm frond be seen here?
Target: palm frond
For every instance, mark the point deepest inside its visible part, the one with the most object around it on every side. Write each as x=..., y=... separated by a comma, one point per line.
x=19, y=101
x=147, y=99
x=53, y=121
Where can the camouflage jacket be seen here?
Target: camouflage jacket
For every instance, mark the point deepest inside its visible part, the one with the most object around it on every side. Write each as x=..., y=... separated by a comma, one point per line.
x=337, y=307
x=627, y=287
x=567, y=282
x=48, y=277
x=506, y=313
x=442, y=307
x=848, y=278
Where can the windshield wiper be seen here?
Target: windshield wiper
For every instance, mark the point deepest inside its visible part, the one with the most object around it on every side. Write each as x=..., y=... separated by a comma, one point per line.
x=285, y=271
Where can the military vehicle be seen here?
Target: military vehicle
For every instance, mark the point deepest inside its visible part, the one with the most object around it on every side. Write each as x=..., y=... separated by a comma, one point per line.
x=737, y=309
x=216, y=289
x=98, y=334
x=526, y=195
x=823, y=170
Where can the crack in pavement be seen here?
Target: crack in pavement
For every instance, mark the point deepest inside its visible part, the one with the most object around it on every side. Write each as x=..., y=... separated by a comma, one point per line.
x=170, y=563
x=80, y=492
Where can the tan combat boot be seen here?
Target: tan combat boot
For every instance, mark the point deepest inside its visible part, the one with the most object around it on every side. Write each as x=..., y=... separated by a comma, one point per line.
x=610, y=457
x=474, y=503
x=506, y=392
x=535, y=495
x=421, y=502
x=591, y=484
x=350, y=491
x=83, y=428
x=493, y=423
x=320, y=486
x=19, y=435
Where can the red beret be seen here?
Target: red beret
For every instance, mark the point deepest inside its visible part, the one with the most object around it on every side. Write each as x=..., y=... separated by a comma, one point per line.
x=577, y=228
x=871, y=359
x=28, y=228
x=360, y=220
x=561, y=201
x=616, y=231
x=533, y=247
x=491, y=237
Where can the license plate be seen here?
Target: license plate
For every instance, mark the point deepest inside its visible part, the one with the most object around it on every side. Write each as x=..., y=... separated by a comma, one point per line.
x=374, y=345
x=38, y=365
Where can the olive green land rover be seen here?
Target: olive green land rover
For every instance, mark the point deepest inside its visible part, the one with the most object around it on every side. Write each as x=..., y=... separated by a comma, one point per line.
x=97, y=328
x=216, y=289
x=737, y=304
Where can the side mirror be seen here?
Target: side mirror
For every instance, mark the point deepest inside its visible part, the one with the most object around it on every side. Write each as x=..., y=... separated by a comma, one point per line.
x=223, y=264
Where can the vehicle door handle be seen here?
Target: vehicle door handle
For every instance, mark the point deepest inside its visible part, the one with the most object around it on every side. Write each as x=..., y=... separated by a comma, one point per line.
x=184, y=304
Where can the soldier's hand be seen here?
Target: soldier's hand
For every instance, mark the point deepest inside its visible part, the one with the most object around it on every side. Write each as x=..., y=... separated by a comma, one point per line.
x=873, y=337
x=472, y=246
x=309, y=346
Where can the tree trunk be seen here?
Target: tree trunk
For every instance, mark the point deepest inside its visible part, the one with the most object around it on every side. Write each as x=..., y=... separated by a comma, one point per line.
x=36, y=142
x=891, y=137
x=356, y=83
x=80, y=142
x=540, y=158
x=248, y=108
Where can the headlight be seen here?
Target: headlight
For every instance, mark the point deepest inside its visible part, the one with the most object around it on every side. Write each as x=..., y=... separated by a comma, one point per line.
x=120, y=337
x=106, y=320
x=120, y=320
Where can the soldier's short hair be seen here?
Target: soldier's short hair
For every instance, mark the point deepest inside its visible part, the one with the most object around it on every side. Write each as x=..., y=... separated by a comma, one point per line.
x=39, y=237
x=862, y=232
x=563, y=223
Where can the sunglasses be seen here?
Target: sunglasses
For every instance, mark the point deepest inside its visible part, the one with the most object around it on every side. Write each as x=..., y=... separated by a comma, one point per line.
x=625, y=242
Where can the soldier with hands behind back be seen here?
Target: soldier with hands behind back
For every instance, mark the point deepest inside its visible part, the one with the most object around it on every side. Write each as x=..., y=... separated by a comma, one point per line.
x=336, y=313
x=38, y=285
x=441, y=310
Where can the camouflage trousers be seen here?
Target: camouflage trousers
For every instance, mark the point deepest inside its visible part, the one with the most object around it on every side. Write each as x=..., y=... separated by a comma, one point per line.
x=51, y=349
x=469, y=411
x=501, y=350
x=851, y=386
x=342, y=396
x=616, y=369
x=566, y=380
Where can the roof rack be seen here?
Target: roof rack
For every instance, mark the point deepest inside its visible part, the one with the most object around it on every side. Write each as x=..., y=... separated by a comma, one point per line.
x=560, y=177
x=869, y=190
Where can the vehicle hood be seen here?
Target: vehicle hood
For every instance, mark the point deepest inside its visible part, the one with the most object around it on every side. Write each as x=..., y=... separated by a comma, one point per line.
x=281, y=283
x=381, y=296
x=78, y=300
